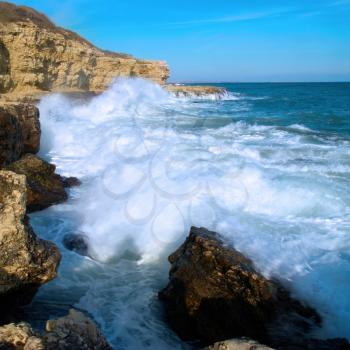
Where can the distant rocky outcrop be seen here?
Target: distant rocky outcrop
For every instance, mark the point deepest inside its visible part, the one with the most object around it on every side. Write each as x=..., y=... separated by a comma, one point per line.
x=19, y=131
x=215, y=293
x=74, y=331
x=36, y=56
x=197, y=91
x=44, y=186
x=26, y=262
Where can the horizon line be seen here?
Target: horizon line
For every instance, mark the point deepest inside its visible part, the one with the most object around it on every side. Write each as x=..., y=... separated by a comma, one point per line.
x=260, y=82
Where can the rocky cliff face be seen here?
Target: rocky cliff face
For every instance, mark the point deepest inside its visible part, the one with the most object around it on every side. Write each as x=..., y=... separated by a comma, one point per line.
x=19, y=131
x=36, y=55
x=26, y=261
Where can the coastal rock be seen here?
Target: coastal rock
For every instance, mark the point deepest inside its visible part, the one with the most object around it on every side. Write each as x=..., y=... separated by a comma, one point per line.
x=44, y=186
x=70, y=181
x=28, y=116
x=10, y=138
x=64, y=61
x=20, y=337
x=74, y=331
x=197, y=91
x=26, y=262
x=214, y=293
x=78, y=243
x=238, y=344
x=19, y=131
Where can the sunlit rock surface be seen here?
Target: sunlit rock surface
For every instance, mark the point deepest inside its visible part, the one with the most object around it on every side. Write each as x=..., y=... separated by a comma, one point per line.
x=44, y=186
x=215, y=293
x=74, y=331
x=36, y=55
x=26, y=262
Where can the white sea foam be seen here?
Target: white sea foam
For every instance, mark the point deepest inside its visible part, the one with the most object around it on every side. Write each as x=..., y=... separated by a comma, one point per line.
x=153, y=165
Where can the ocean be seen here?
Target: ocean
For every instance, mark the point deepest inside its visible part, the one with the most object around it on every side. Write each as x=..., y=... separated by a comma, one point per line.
x=267, y=166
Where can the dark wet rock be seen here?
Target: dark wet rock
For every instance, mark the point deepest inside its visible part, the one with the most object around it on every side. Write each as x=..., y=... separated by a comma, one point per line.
x=78, y=243
x=44, y=186
x=28, y=116
x=19, y=131
x=71, y=181
x=26, y=262
x=10, y=138
x=74, y=331
x=215, y=293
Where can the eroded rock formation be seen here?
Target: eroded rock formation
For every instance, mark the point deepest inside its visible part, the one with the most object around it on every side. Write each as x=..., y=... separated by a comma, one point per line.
x=214, y=293
x=36, y=55
x=197, y=91
x=44, y=186
x=26, y=262
x=74, y=331
x=19, y=131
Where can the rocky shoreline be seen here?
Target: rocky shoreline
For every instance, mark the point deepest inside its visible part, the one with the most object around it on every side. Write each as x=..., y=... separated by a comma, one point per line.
x=215, y=293
x=28, y=184
x=215, y=298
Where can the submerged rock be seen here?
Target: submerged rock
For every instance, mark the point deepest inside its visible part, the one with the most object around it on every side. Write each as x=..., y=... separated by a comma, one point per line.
x=71, y=181
x=26, y=262
x=77, y=242
x=19, y=131
x=44, y=186
x=214, y=293
x=74, y=331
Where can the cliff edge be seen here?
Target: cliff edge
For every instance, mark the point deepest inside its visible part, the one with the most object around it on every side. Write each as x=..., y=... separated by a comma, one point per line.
x=37, y=56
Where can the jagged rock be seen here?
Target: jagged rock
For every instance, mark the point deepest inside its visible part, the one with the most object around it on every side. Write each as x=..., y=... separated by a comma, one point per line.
x=71, y=181
x=74, y=331
x=78, y=243
x=196, y=91
x=64, y=61
x=26, y=262
x=10, y=138
x=19, y=131
x=238, y=344
x=214, y=293
x=20, y=337
x=44, y=186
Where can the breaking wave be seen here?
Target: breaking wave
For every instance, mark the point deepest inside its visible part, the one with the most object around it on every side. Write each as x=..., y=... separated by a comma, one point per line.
x=152, y=165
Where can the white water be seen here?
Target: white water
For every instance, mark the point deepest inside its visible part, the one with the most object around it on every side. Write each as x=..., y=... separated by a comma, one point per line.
x=153, y=165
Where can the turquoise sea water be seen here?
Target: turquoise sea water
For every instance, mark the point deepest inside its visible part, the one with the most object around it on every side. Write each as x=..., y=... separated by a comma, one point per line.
x=268, y=166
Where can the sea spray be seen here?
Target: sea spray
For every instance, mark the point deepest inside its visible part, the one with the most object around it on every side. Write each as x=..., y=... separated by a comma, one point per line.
x=153, y=165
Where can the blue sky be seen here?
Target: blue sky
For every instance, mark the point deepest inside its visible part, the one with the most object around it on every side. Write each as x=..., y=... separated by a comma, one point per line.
x=222, y=40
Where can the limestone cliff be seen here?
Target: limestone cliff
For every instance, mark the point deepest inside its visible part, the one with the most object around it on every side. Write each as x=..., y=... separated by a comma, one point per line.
x=36, y=55
x=26, y=262
x=19, y=131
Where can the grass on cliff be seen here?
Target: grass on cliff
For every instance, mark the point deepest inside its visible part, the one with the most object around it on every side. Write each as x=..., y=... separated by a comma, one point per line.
x=11, y=13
